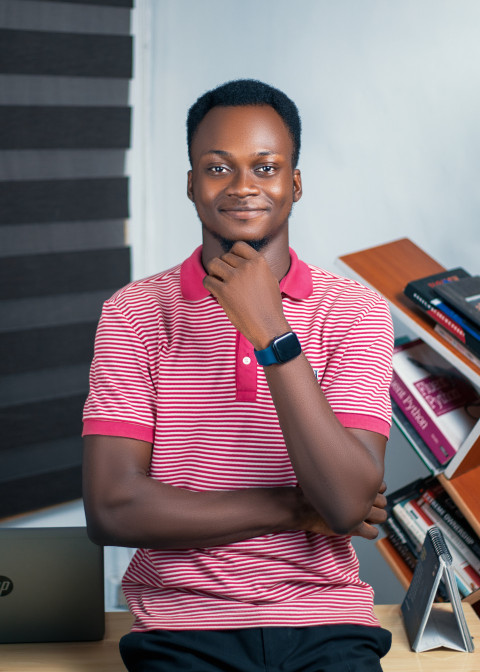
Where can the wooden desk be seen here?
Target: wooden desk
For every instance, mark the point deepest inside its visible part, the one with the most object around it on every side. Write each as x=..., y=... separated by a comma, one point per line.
x=104, y=656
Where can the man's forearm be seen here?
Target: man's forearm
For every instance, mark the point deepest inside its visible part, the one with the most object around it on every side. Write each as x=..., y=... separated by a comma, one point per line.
x=338, y=473
x=156, y=515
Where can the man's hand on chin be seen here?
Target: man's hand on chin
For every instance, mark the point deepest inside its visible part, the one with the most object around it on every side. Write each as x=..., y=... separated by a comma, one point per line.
x=244, y=285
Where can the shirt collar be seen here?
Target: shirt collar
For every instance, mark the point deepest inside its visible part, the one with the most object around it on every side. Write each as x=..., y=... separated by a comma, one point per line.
x=297, y=284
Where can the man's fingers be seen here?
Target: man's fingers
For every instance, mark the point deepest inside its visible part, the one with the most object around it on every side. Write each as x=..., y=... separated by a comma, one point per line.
x=383, y=487
x=234, y=260
x=380, y=501
x=213, y=285
x=244, y=250
x=377, y=516
x=218, y=268
x=366, y=531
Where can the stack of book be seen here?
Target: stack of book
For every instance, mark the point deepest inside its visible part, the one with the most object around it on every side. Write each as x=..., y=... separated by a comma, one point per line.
x=434, y=405
x=452, y=299
x=421, y=505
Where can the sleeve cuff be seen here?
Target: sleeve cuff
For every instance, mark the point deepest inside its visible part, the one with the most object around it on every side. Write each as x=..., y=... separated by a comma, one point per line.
x=128, y=430
x=368, y=422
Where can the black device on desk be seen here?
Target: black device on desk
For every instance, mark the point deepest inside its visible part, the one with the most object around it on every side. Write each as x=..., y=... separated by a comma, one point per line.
x=51, y=585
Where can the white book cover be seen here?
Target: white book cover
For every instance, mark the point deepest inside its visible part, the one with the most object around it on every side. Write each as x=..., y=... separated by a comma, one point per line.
x=444, y=394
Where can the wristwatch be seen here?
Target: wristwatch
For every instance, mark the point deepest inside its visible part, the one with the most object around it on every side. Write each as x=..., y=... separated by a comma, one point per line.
x=281, y=350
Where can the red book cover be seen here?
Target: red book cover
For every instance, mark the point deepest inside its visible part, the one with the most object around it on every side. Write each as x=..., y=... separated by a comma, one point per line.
x=440, y=403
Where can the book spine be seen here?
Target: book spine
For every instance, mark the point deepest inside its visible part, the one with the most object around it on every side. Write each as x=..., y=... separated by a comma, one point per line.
x=446, y=319
x=426, y=428
x=454, y=539
x=457, y=298
x=409, y=526
x=455, y=520
x=415, y=440
x=400, y=544
x=468, y=327
x=404, y=547
x=407, y=492
x=423, y=522
x=461, y=567
x=465, y=349
x=437, y=315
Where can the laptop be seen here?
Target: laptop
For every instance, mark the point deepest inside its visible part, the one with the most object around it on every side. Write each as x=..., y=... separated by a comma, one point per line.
x=51, y=585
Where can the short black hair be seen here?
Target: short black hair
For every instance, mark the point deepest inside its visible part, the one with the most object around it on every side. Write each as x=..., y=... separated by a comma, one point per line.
x=241, y=92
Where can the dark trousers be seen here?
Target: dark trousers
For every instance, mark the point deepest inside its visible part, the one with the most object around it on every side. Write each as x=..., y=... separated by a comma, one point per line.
x=326, y=648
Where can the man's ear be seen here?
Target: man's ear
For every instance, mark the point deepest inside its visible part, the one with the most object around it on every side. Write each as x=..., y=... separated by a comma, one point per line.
x=297, y=185
x=190, y=185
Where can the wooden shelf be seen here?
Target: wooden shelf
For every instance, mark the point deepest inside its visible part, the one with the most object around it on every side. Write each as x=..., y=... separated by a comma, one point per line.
x=387, y=269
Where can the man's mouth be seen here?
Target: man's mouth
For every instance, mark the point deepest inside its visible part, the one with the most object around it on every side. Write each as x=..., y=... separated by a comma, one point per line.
x=243, y=213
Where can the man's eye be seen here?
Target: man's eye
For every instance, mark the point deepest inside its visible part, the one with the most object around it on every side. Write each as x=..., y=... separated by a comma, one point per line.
x=267, y=170
x=217, y=169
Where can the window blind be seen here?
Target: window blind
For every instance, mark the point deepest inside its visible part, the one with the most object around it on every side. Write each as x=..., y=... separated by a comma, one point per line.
x=64, y=130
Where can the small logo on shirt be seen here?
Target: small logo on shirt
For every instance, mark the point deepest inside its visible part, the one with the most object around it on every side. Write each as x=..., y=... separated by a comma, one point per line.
x=315, y=371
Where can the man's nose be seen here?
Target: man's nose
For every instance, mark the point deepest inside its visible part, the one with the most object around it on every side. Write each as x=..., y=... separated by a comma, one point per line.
x=243, y=183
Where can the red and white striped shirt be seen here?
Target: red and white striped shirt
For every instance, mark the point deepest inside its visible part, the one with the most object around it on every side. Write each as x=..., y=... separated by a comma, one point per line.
x=169, y=368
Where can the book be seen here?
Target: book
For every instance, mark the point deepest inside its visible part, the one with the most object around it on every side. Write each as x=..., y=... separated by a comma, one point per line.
x=409, y=525
x=430, y=626
x=465, y=575
x=400, y=542
x=403, y=546
x=444, y=506
x=457, y=344
x=464, y=296
x=465, y=331
x=421, y=422
x=440, y=403
x=455, y=541
x=424, y=286
x=415, y=440
x=422, y=293
x=408, y=491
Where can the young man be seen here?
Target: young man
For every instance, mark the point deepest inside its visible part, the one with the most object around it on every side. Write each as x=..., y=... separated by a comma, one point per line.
x=236, y=424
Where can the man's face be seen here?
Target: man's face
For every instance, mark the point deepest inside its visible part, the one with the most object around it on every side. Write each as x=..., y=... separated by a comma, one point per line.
x=242, y=181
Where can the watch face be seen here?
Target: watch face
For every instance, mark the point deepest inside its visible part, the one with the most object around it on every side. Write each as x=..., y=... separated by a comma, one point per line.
x=286, y=347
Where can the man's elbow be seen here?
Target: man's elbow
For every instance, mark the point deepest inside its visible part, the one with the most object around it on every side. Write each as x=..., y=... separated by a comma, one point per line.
x=99, y=530
x=106, y=520
x=343, y=520
x=345, y=525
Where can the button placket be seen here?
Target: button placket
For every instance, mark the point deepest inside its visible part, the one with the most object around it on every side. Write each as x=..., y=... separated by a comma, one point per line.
x=246, y=370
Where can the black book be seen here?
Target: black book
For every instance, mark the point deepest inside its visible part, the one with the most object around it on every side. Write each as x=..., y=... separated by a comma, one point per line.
x=423, y=293
x=464, y=296
x=401, y=542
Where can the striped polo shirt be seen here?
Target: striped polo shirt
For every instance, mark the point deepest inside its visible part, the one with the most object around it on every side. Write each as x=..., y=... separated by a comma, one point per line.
x=169, y=368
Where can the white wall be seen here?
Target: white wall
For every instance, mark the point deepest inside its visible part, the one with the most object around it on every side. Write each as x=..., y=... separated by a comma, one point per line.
x=389, y=94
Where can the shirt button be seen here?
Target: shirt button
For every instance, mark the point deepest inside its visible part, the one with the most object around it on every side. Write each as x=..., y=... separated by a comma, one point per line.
x=246, y=360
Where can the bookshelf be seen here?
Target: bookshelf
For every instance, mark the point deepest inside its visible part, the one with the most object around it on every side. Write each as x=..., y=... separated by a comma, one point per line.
x=387, y=269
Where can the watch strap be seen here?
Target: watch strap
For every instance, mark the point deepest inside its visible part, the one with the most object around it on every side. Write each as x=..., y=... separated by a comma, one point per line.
x=267, y=356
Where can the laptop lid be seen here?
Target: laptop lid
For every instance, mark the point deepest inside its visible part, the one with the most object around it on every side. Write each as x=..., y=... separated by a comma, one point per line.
x=51, y=585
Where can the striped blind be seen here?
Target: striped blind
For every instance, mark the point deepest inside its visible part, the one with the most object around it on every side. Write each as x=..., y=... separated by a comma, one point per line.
x=64, y=130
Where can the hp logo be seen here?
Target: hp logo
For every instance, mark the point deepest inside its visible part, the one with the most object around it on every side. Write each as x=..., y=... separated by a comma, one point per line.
x=6, y=586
